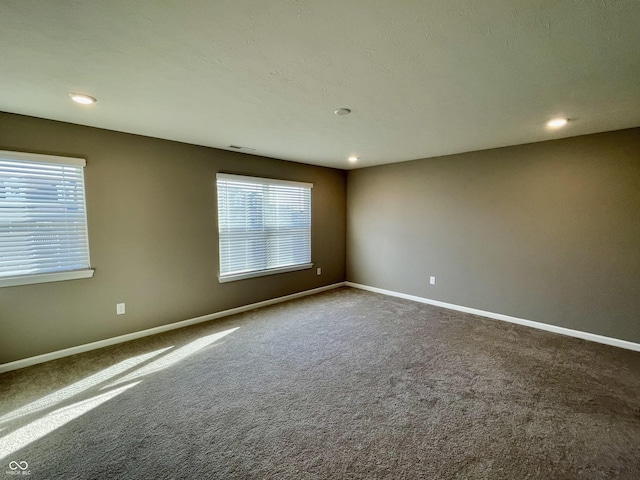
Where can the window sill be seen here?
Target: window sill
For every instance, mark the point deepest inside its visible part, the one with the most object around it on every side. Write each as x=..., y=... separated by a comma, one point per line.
x=45, y=278
x=262, y=273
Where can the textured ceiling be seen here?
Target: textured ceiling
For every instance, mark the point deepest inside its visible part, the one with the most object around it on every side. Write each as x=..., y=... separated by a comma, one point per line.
x=423, y=78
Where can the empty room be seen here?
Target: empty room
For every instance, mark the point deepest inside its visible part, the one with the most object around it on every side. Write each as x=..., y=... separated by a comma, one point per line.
x=289, y=239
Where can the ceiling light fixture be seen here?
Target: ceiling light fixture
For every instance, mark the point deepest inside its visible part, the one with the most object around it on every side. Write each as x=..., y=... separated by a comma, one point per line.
x=353, y=159
x=558, y=122
x=82, y=98
x=341, y=112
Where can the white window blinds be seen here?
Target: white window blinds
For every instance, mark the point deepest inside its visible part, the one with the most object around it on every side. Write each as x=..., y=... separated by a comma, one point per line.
x=264, y=226
x=43, y=225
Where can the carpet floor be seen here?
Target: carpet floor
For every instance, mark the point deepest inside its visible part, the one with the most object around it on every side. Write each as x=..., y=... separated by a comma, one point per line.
x=345, y=384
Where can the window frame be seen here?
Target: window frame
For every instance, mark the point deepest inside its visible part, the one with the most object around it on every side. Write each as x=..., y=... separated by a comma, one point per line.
x=46, y=277
x=268, y=271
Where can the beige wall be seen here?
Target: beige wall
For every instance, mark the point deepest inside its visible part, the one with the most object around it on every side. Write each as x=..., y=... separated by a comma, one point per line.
x=153, y=237
x=548, y=232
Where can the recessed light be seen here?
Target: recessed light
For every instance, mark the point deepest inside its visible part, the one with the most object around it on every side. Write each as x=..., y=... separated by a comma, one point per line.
x=341, y=112
x=82, y=98
x=558, y=122
x=353, y=159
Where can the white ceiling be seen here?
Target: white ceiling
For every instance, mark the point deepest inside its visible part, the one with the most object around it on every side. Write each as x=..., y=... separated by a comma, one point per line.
x=423, y=78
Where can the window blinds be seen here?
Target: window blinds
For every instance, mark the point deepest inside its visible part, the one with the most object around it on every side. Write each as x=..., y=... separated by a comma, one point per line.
x=264, y=225
x=43, y=226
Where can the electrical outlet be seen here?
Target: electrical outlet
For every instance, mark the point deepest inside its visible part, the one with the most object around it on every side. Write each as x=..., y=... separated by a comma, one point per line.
x=432, y=280
x=318, y=271
x=120, y=309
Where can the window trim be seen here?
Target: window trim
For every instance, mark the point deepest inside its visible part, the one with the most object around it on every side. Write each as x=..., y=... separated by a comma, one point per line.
x=268, y=271
x=38, y=157
x=30, y=279
x=263, y=273
x=45, y=277
x=262, y=180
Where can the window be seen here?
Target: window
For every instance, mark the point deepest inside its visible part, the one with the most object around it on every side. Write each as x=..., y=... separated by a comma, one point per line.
x=43, y=223
x=264, y=226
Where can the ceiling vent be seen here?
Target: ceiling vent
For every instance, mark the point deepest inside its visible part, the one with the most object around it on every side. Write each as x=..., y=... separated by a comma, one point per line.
x=242, y=149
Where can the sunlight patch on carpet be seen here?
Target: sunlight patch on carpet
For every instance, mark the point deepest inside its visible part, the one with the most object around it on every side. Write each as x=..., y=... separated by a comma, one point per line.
x=173, y=357
x=81, y=386
x=37, y=429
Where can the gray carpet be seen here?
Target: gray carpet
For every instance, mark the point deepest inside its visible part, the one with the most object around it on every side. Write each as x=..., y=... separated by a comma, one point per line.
x=346, y=384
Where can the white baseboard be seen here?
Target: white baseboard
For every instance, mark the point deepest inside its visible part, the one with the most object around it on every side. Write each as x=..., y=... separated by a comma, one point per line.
x=27, y=362
x=506, y=318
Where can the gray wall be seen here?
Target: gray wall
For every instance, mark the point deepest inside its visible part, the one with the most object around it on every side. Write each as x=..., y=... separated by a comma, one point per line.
x=153, y=237
x=548, y=232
